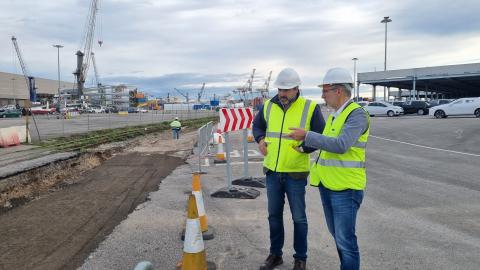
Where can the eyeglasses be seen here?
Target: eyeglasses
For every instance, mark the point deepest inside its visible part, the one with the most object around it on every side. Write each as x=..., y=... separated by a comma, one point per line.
x=329, y=88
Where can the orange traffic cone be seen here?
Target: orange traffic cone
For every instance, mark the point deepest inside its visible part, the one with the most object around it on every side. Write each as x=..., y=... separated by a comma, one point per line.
x=197, y=191
x=250, y=136
x=220, y=157
x=194, y=257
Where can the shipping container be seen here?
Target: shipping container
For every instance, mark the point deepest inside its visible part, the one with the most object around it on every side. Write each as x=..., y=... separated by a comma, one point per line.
x=177, y=107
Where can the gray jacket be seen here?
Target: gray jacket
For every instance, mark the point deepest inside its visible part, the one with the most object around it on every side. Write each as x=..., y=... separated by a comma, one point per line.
x=355, y=125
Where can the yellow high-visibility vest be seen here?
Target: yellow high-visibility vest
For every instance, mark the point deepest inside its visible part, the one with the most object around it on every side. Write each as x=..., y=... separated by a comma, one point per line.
x=341, y=171
x=281, y=154
x=175, y=124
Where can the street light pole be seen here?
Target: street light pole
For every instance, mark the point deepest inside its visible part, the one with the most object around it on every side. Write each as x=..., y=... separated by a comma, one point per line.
x=58, y=65
x=355, y=88
x=385, y=20
x=58, y=46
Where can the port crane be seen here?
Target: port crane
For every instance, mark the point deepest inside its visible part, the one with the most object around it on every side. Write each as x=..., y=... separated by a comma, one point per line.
x=247, y=88
x=30, y=80
x=97, y=77
x=86, y=47
x=185, y=95
x=200, y=93
x=264, y=91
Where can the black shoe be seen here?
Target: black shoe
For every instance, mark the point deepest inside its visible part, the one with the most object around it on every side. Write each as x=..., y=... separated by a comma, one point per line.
x=271, y=262
x=299, y=265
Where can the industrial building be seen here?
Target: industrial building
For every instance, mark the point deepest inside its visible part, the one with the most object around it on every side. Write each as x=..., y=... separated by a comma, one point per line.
x=14, y=89
x=451, y=81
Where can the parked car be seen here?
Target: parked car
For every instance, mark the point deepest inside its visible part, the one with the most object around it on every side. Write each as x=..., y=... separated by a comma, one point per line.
x=382, y=108
x=97, y=110
x=142, y=110
x=43, y=110
x=132, y=110
x=398, y=103
x=111, y=110
x=437, y=102
x=362, y=103
x=415, y=106
x=11, y=107
x=4, y=113
x=462, y=106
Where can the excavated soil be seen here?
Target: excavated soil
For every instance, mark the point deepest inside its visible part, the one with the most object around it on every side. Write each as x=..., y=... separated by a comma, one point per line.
x=61, y=219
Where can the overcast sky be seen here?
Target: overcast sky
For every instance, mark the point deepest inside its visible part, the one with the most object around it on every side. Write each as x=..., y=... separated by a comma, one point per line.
x=160, y=44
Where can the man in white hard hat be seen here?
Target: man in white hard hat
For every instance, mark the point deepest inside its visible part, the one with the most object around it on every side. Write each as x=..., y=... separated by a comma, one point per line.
x=339, y=171
x=286, y=163
x=176, y=127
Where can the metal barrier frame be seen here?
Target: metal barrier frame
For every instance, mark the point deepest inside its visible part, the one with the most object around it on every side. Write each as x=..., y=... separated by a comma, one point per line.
x=204, y=134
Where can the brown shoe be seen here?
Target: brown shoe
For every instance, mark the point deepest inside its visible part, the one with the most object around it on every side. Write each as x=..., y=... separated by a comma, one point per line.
x=299, y=265
x=271, y=262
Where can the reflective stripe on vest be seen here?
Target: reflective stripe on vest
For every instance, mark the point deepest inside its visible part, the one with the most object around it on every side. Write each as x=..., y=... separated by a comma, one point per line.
x=305, y=113
x=337, y=171
x=269, y=108
x=341, y=163
x=303, y=122
x=282, y=156
x=277, y=135
x=360, y=144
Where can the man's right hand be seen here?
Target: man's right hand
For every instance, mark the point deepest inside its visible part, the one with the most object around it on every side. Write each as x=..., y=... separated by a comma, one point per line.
x=262, y=146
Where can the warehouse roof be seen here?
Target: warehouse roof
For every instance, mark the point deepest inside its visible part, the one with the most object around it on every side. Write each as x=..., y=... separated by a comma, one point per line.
x=14, y=86
x=454, y=80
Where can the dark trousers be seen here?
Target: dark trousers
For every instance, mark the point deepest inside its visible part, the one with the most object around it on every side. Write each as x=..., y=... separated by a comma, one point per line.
x=279, y=184
x=340, y=209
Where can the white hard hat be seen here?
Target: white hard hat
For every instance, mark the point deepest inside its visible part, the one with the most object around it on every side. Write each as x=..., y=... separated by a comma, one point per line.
x=287, y=79
x=337, y=76
x=176, y=118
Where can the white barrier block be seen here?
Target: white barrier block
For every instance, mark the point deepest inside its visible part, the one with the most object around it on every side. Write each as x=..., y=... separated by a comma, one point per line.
x=22, y=134
x=9, y=136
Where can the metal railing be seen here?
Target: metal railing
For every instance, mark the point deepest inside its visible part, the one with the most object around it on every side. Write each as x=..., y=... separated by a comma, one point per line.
x=204, y=134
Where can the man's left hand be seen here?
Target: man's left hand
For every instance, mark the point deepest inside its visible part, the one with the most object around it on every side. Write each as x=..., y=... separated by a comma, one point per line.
x=297, y=134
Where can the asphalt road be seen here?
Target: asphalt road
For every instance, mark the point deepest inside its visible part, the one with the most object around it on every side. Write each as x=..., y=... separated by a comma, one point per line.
x=421, y=208
x=49, y=126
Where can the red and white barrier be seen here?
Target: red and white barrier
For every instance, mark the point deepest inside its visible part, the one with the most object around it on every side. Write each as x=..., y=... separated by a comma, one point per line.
x=232, y=119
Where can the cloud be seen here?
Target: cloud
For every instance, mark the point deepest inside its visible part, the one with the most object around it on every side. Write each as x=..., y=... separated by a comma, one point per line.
x=159, y=45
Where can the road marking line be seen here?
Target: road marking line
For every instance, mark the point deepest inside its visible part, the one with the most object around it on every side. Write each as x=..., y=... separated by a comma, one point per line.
x=254, y=153
x=427, y=147
x=234, y=154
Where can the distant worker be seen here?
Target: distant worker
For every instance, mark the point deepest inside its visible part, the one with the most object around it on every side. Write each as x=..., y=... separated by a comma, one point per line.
x=339, y=171
x=176, y=127
x=286, y=163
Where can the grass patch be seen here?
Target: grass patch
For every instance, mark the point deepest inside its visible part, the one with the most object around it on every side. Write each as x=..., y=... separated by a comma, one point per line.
x=81, y=142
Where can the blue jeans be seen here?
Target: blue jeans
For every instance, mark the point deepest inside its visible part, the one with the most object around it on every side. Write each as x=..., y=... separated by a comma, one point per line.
x=176, y=134
x=279, y=184
x=340, y=209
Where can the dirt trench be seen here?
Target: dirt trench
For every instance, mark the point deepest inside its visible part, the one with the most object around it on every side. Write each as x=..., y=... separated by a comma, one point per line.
x=59, y=229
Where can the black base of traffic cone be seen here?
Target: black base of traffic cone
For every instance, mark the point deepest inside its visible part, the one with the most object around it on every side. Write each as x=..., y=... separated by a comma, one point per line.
x=236, y=193
x=258, y=182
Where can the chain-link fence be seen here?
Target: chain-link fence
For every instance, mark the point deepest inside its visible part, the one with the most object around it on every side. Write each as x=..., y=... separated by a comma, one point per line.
x=43, y=127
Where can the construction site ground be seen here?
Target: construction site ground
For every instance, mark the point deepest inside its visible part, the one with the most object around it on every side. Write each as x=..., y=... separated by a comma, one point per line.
x=421, y=208
x=65, y=222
